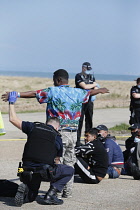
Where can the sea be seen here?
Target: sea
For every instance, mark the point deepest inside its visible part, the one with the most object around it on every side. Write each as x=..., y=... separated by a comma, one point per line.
x=114, y=77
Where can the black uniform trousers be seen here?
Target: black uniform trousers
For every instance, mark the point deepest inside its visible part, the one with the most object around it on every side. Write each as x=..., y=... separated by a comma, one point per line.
x=137, y=115
x=63, y=174
x=87, y=111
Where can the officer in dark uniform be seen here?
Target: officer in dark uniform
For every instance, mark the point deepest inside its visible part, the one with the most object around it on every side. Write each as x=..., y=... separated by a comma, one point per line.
x=135, y=103
x=129, y=143
x=43, y=145
x=132, y=165
x=85, y=80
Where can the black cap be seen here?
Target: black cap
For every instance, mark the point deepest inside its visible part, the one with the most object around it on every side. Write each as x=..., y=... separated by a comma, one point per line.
x=138, y=80
x=87, y=65
x=134, y=126
x=102, y=127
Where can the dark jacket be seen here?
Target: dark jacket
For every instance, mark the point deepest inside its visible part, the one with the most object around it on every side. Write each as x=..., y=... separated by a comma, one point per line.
x=95, y=155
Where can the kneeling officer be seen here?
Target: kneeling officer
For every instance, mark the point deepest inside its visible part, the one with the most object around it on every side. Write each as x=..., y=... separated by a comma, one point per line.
x=43, y=145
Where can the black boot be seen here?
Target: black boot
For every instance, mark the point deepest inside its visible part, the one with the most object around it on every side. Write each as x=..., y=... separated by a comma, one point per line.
x=50, y=197
x=21, y=196
x=135, y=171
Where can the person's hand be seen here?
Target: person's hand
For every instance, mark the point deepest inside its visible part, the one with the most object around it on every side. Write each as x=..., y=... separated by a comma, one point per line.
x=12, y=97
x=5, y=96
x=88, y=168
x=104, y=90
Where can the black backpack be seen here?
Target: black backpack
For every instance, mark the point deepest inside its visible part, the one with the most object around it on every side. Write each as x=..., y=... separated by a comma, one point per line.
x=8, y=188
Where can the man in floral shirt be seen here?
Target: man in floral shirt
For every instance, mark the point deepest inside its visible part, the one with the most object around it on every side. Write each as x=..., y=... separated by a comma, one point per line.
x=65, y=103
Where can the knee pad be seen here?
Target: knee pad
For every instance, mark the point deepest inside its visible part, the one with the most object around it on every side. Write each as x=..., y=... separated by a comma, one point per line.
x=26, y=177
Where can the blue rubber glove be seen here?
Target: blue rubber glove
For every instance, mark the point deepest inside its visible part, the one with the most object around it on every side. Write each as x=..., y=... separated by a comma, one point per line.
x=93, y=98
x=97, y=85
x=12, y=97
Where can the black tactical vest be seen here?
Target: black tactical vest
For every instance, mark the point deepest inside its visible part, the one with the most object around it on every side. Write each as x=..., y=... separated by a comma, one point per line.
x=135, y=102
x=40, y=145
x=88, y=79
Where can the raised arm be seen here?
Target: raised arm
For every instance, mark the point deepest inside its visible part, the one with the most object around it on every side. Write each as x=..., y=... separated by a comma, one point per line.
x=97, y=91
x=28, y=94
x=12, y=114
x=13, y=117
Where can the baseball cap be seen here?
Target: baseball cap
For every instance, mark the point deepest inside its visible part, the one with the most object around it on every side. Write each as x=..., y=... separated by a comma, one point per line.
x=102, y=127
x=137, y=80
x=134, y=126
x=87, y=65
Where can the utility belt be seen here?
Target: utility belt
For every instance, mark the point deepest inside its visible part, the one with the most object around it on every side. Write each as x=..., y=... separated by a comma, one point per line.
x=25, y=173
x=67, y=130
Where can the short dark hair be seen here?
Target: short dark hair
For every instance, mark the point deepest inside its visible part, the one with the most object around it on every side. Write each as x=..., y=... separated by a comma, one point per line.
x=53, y=119
x=61, y=73
x=92, y=131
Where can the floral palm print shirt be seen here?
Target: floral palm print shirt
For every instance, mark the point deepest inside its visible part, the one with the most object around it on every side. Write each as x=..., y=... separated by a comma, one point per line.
x=64, y=102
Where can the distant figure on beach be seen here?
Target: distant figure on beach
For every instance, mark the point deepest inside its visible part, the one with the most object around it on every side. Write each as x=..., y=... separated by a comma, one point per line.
x=65, y=103
x=91, y=158
x=43, y=145
x=115, y=155
x=86, y=80
x=135, y=103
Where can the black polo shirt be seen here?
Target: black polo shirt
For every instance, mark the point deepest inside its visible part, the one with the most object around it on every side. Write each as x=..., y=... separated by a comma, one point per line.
x=135, y=102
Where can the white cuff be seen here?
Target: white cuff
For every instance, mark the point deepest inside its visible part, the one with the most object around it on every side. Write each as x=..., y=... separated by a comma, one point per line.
x=18, y=94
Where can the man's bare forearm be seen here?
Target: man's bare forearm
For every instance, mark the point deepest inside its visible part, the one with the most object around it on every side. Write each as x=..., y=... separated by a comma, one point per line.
x=97, y=91
x=28, y=94
x=87, y=86
x=136, y=95
x=13, y=117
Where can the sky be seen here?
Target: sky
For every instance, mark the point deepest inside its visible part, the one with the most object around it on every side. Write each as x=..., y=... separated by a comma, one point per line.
x=45, y=35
